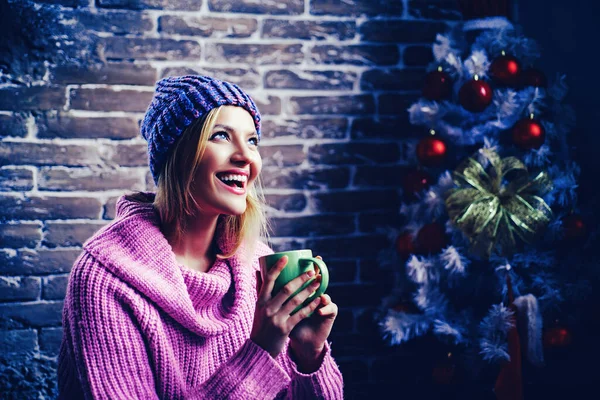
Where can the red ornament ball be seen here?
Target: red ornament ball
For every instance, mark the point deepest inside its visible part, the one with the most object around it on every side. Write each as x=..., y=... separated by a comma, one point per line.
x=431, y=238
x=505, y=70
x=556, y=337
x=405, y=245
x=528, y=134
x=574, y=227
x=431, y=151
x=533, y=77
x=475, y=95
x=437, y=86
x=416, y=181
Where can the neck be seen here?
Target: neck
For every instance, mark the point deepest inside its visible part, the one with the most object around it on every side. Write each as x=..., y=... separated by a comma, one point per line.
x=195, y=248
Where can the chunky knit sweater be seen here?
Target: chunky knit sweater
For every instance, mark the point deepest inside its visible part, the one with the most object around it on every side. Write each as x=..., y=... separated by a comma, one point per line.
x=137, y=325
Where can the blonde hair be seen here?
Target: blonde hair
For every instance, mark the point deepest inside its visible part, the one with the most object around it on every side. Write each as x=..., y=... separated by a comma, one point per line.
x=175, y=203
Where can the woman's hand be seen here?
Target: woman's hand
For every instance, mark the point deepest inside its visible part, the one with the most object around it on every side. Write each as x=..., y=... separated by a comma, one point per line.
x=272, y=320
x=307, y=339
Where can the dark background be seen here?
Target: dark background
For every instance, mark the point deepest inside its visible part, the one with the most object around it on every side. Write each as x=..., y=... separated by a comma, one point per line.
x=333, y=80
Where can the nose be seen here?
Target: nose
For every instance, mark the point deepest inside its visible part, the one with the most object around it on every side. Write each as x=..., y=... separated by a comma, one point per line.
x=241, y=155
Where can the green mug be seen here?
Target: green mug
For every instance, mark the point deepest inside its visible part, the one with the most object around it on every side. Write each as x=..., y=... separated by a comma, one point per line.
x=299, y=262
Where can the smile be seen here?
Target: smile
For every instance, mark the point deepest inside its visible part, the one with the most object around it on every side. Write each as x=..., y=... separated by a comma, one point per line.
x=235, y=183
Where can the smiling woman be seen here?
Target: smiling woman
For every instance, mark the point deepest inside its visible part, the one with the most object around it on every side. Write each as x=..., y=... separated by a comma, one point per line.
x=164, y=302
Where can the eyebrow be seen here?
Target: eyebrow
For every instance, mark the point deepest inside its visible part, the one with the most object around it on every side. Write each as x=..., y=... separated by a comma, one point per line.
x=230, y=129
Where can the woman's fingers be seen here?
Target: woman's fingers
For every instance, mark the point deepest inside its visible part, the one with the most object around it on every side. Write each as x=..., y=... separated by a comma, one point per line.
x=328, y=308
x=290, y=288
x=304, y=312
x=299, y=298
x=269, y=281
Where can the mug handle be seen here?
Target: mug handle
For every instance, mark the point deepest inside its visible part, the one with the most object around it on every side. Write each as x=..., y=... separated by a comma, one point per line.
x=324, y=278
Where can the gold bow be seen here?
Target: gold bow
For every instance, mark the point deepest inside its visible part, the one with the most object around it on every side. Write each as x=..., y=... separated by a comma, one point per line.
x=493, y=204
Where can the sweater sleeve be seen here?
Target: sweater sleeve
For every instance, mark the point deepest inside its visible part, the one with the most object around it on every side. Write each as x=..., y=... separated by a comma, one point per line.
x=324, y=383
x=104, y=354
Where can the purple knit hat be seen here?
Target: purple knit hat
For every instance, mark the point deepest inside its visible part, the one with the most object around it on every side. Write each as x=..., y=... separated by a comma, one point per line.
x=180, y=100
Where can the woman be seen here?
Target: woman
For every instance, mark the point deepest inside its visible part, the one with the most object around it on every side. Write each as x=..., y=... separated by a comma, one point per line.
x=164, y=302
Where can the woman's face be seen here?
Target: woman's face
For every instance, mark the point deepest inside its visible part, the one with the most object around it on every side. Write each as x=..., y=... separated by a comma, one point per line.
x=229, y=165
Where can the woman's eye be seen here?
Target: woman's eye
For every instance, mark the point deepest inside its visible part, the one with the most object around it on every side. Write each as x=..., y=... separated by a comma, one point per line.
x=219, y=135
x=253, y=140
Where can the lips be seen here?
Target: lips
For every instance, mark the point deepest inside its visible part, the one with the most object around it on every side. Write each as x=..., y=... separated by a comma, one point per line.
x=234, y=180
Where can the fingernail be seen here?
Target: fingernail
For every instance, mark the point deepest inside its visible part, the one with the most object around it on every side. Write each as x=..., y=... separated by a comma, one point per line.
x=311, y=273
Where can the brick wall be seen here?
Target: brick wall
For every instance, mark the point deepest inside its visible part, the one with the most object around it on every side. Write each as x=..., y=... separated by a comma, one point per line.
x=332, y=78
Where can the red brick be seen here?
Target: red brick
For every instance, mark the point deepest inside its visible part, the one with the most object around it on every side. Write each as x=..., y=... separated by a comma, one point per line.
x=384, y=128
x=21, y=234
x=282, y=156
x=207, y=26
x=393, y=79
x=396, y=104
x=354, y=295
x=320, y=178
x=440, y=9
x=110, y=208
x=72, y=155
x=74, y=179
x=283, y=202
x=46, y=207
x=69, y=234
x=267, y=106
x=401, y=31
x=58, y=125
x=313, y=225
x=353, y=153
x=34, y=314
x=356, y=201
x=280, y=7
x=16, y=288
x=417, y=56
x=107, y=73
x=374, y=221
x=55, y=287
x=247, y=78
x=361, y=54
x=50, y=340
x=371, y=271
x=379, y=176
x=310, y=80
x=102, y=99
x=349, y=104
x=186, y=5
x=14, y=125
x=15, y=179
x=357, y=7
x=118, y=47
x=18, y=342
x=308, y=30
x=40, y=262
x=254, y=54
x=305, y=128
x=113, y=21
x=19, y=98
x=341, y=271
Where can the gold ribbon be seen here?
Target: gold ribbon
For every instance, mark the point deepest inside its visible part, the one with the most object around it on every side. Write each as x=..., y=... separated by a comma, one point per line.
x=496, y=203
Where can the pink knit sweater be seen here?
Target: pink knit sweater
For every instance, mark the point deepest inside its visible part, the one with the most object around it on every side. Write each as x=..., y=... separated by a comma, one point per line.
x=139, y=326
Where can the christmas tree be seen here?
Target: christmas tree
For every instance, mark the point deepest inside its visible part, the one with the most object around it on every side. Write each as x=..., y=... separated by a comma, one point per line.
x=488, y=255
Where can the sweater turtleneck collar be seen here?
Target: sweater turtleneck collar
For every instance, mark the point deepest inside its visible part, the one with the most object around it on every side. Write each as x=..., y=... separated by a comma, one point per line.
x=134, y=249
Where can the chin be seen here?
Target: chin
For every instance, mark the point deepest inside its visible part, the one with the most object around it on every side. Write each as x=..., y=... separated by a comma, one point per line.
x=234, y=210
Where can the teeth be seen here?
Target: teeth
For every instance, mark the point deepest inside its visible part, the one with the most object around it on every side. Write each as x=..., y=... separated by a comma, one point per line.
x=239, y=178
